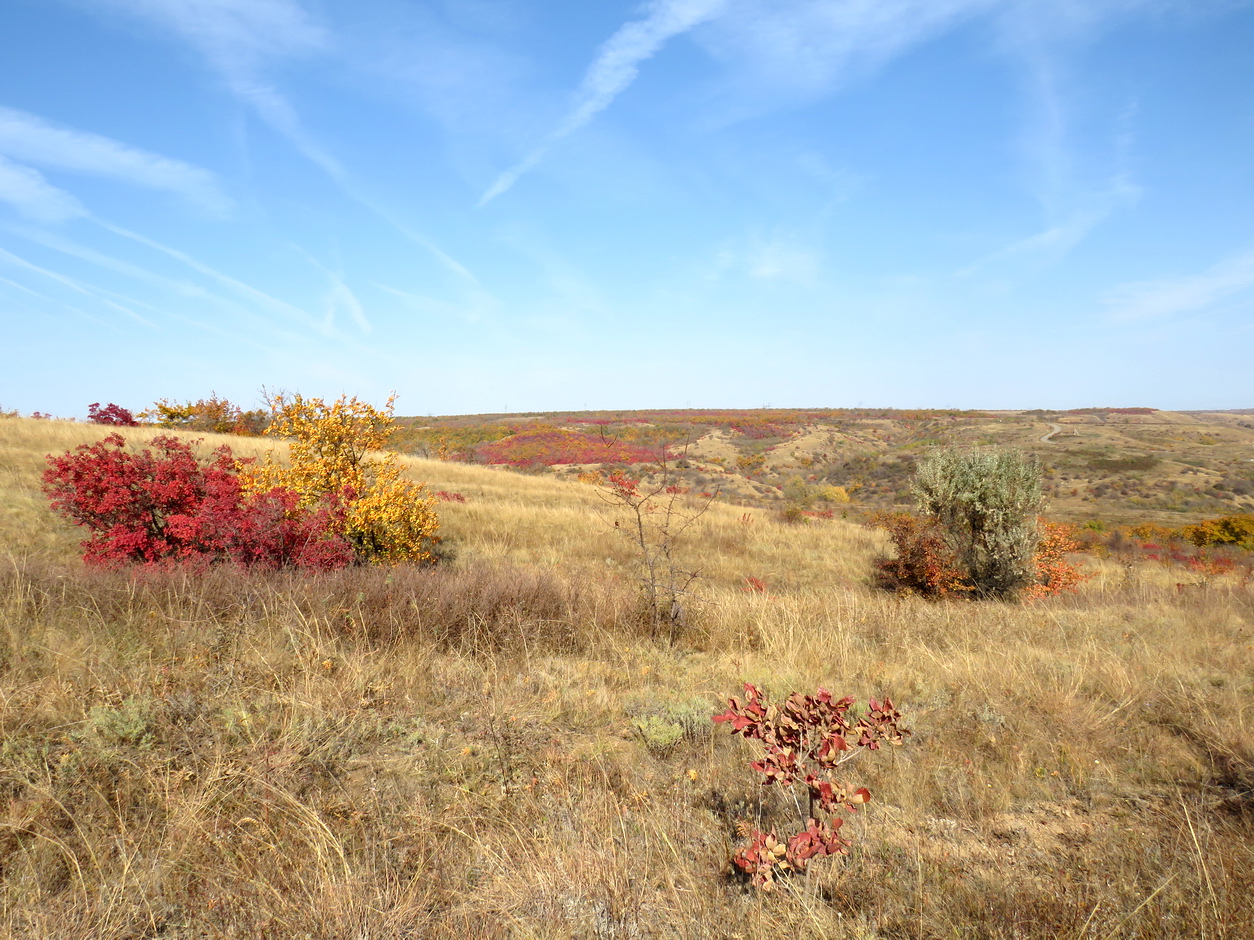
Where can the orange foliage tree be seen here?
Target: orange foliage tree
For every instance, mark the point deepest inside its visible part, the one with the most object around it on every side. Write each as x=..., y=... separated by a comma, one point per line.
x=218, y=415
x=1227, y=530
x=1054, y=574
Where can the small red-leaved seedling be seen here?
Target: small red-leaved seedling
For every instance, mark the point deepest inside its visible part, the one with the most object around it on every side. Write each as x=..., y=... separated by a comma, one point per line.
x=804, y=740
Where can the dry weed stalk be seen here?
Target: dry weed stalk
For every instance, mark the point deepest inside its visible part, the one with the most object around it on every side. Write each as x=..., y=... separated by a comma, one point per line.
x=655, y=516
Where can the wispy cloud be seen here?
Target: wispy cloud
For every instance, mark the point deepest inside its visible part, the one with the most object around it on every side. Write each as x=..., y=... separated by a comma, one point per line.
x=478, y=309
x=188, y=290
x=9, y=258
x=339, y=297
x=121, y=302
x=73, y=249
x=1143, y=300
x=33, y=196
x=615, y=67
x=238, y=36
x=122, y=308
x=250, y=293
x=244, y=41
x=1062, y=232
x=32, y=139
x=23, y=288
x=775, y=257
x=1076, y=193
x=62, y=279
x=794, y=49
x=274, y=108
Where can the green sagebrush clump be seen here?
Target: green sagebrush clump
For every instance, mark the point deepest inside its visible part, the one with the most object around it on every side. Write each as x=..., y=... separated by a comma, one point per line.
x=986, y=503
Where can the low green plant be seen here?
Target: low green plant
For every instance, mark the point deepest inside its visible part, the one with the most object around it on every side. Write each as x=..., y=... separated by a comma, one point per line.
x=129, y=723
x=663, y=726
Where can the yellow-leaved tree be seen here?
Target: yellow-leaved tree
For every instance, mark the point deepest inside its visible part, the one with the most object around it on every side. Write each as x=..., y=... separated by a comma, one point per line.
x=334, y=455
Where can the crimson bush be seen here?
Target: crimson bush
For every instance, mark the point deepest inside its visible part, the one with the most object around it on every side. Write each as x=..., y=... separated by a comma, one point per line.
x=163, y=504
x=111, y=414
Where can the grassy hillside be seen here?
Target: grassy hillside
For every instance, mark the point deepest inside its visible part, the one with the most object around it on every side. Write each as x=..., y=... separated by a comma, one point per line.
x=497, y=748
x=1128, y=465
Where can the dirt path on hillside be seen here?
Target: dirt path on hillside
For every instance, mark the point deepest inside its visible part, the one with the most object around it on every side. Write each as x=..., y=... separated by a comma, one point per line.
x=1054, y=429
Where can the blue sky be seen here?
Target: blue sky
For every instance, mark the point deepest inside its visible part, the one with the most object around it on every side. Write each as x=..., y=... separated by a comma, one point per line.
x=519, y=205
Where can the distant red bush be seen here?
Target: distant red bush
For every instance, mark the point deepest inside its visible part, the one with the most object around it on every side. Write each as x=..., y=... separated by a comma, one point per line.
x=111, y=414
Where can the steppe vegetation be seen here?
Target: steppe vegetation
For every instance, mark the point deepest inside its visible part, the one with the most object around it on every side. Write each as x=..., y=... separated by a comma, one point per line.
x=500, y=745
x=1117, y=465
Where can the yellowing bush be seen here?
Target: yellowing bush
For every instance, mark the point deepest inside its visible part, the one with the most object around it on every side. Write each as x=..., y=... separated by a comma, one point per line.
x=394, y=520
x=386, y=518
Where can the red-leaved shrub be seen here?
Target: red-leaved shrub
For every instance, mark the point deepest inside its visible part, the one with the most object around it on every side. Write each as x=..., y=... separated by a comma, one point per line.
x=924, y=564
x=162, y=504
x=1054, y=573
x=804, y=740
x=111, y=414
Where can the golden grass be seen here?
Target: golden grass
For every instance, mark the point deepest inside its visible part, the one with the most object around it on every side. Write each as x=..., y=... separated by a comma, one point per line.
x=459, y=751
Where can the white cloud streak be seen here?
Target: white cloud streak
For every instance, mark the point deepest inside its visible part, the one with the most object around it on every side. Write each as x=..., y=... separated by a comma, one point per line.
x=103, y=295
x=61, y=279
x=795, y=49
x=91, y=256
x=615, y=67
x=1144, y=300
x=339, y=296
x=477, y=310
x=804, y=48
x=26, y=189
x=236, y=35
x=31, y=139
x=185, y=289
x=23, y=288
x=242, y=40
x=289, y=311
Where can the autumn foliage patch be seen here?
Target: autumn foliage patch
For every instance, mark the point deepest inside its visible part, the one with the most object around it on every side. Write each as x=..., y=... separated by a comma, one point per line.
x=330, y=505
x=164, y=504
x=923, y=563
x=214, y=414
x=1054, y=573
x=110, y=414
x=543, y=448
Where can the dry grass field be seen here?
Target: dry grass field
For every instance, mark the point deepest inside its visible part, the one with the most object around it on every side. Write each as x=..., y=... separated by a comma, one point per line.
x=496, y=748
